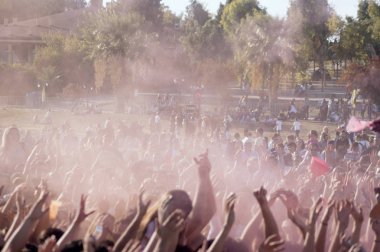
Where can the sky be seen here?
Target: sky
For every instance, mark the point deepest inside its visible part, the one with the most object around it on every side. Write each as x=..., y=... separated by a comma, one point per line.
x=274, y=7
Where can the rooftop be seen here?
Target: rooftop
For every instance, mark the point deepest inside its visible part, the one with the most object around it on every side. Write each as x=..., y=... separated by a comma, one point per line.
x=32, y=30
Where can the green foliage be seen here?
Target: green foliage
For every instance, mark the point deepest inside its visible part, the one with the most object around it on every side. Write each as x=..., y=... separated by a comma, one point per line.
x=196, y=12
x=202, y=42
x=262, y=52
x=63, y=60
x=169, y=19
x=109, y=34
x=235, y=11
x=151, y=10
x=309, y=21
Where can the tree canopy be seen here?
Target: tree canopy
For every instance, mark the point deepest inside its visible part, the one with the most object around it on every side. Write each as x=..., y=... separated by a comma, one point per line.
x=241, y=39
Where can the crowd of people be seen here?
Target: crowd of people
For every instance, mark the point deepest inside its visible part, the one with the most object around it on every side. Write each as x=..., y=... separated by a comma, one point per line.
x=121, y=186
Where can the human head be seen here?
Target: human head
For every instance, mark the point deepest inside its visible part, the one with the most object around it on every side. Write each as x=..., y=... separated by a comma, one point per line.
x=173, y=200
x=292, y=147
x=355, y=147
x=11, y=136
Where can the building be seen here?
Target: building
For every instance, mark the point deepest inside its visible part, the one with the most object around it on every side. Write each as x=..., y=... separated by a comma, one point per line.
x=19, y=39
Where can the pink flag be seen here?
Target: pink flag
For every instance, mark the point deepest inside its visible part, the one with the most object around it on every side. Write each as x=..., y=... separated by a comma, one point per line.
x=318, y=167
x=355, y=125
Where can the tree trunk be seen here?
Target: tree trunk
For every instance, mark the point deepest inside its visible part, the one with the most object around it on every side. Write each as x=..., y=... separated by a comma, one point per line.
x=274, y=78
x=321, y=64
x=118, y=77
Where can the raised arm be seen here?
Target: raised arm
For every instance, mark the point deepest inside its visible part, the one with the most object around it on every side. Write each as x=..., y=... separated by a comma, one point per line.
x=165, y=238
x=269, y=221
x=251, y=230
x=20, y=237
x=309, y=245
x=131, y=231
x=248, y=235
x=80, y=216
x=359, y=219
x=9, y=204
x=204, y=203
x=218, y=244
x=321, y=237
x=20, y=205
x=343, y=210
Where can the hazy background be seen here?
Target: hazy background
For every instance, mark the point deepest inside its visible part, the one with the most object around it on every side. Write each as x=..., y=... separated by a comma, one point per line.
x=274, y=7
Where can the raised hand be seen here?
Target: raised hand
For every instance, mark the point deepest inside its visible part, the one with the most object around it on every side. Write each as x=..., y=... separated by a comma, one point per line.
x=172, y=226
x=229, y=211
x=142, y=207
x=328, y=212
x=261, y=196
x=272, y=244
x=296, y=219
x=289, y=199
x=343, y=211
x=20, y=205
x=204, y=165
x=81, y=215
x=357, y=215
x=316, y=210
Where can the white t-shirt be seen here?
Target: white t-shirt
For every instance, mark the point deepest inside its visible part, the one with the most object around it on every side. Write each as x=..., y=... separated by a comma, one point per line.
x=297, y=125
x=157, y=119
x=293, y=109
x=278, y=125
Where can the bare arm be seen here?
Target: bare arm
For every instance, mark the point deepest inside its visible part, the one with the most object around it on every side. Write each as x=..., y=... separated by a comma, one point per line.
x=251, y=229
x=218, y=244
x=20, y=237
x=269, y=221
x=343, y=210
x=204, y=203
x=321, y=237
x=165, y=238
x=74, y=226
x=131, y=231
x=359, y=219
x=18, y=218
x=309, y=245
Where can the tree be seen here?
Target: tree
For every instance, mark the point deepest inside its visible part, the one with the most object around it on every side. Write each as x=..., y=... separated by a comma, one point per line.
x=112, y=40
x=366, y=79
x=196, y=12
x=235, y=11
x=205, y=45
x=63, y=61
x=151, y=10
x=310, y=21
x=262, y=48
